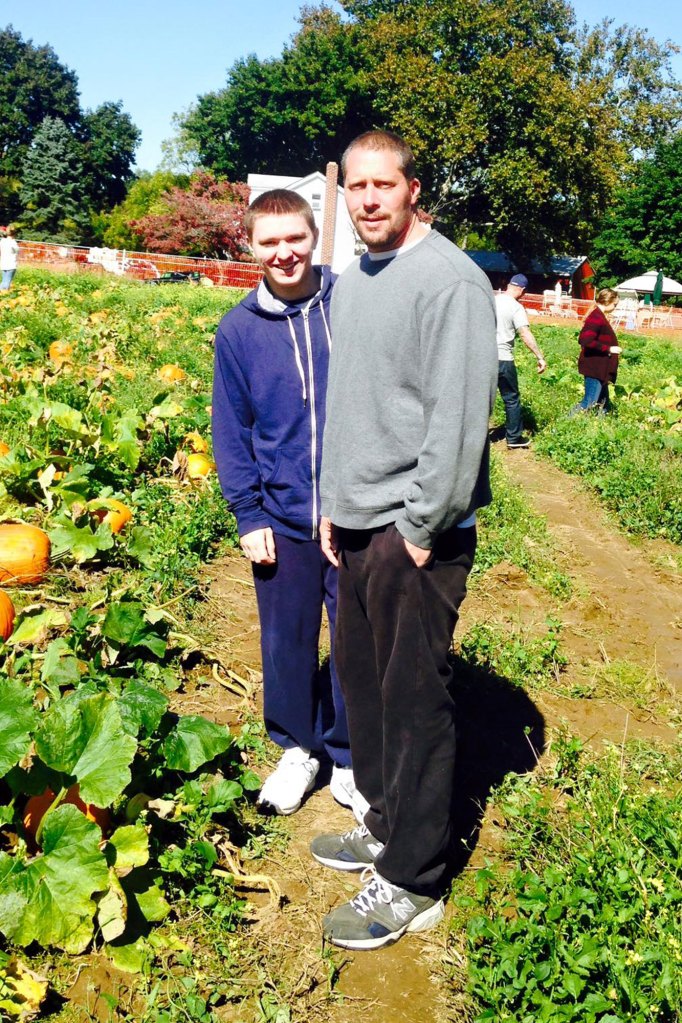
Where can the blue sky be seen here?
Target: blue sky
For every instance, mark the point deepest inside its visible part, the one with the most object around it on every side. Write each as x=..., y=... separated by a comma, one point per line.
x=159, y=55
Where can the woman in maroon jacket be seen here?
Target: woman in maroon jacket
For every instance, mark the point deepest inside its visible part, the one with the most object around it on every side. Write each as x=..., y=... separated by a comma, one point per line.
x=599, y=352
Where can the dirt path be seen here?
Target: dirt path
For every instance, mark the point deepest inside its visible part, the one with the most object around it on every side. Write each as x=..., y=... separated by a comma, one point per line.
x=621, y=609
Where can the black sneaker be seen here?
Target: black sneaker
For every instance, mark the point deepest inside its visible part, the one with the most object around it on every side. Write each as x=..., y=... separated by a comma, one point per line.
x=380, y=914
x=520, y=442
x=355, y=850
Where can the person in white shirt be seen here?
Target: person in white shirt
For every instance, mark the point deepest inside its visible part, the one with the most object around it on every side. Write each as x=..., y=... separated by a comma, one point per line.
x=512, y=319
x=9, y=251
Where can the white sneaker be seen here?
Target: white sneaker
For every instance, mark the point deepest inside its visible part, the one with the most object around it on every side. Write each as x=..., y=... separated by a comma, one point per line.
x=342, y=787
x=284, y=789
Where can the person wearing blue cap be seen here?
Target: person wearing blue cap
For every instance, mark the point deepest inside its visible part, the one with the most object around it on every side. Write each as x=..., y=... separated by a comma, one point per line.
x=512, y=319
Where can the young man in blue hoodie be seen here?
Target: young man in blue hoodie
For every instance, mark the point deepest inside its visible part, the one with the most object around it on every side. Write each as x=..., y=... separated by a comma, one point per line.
x=271, y=361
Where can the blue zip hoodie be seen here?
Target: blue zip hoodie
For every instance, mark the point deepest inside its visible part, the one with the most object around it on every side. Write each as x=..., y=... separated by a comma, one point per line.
x=269, y=399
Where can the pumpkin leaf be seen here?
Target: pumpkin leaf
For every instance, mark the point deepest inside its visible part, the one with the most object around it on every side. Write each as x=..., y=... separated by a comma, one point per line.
x=142, y=708
x=125, y=625
x=33, y=629
x=80, y=541
x=84, y=737
x=18, y=720
x=130, y=844
x=55, y=889
x=193, y=742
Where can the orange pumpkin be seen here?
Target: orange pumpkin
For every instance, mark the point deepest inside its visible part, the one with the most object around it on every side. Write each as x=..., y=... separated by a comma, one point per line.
x=199, y=466
x=4, y=449
x=117, y=514
x=60, y=351
x=24, y=554
x=6, y=615
x=37, y=806
x=171, y=374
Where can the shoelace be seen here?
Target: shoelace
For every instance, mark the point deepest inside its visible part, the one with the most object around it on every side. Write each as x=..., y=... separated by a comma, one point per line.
x=362, y=831
x=375, y=891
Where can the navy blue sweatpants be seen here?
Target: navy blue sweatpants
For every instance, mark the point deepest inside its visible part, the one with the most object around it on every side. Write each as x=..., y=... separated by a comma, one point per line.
x=302, y=702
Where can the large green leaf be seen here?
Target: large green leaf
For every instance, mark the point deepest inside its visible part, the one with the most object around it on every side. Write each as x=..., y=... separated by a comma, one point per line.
x=193, y=741
x=18, y=719
x=84, y=737
x=131, y=847
x=140, y=545
x=56, y=888
x=33, y=628
x=80, y=541
x=125, y=625
x=142, y=708
x=60, y=667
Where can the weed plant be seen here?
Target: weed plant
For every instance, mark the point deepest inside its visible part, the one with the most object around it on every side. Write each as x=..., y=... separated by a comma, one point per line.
x=582, y=921
x=629, y=457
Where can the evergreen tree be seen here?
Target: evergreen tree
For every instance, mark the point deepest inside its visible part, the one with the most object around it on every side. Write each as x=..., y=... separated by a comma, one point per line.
x=54, y=201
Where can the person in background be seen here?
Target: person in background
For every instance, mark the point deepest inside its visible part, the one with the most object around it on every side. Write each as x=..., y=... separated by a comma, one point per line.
x=599, y=351
x=404, y=468
x=9, y=254
x=512, y=318
x=271, y=361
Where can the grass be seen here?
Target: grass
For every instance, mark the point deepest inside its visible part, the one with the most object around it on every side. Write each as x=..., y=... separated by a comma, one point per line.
x=630, y=458
x=580, y=919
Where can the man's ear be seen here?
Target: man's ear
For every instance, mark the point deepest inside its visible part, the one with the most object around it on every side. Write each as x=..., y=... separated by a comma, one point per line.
x=415, y=190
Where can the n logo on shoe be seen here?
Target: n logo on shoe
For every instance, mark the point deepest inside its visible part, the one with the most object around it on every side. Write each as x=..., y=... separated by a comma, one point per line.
x=402, y=909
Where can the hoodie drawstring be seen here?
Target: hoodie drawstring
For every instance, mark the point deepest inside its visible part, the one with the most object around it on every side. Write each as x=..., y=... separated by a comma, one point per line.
x=326, y=326
x=299, y=363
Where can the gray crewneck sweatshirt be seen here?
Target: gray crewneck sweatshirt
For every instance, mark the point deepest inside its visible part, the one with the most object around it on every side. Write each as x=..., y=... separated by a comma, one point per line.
x=412, y=381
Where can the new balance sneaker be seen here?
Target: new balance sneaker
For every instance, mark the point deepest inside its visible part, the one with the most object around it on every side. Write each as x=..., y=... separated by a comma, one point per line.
x=520, y=442
x=342, y=787
x=284, y=789
x=380, y=914
x=355, y=850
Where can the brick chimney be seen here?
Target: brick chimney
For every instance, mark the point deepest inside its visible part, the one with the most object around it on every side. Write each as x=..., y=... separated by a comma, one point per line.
x=329, y=219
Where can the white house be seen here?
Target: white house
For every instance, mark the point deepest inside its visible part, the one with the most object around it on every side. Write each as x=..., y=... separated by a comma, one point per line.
x=347, y=245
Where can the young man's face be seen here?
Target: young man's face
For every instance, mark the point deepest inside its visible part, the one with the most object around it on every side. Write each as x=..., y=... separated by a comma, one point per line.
x=283, y=244
x=379, y=198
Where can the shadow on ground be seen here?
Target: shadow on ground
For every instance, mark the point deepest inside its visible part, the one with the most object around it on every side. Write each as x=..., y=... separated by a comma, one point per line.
x=499, y=731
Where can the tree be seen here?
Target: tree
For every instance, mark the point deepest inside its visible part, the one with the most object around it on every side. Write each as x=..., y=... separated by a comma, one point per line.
x=144, y=196
x=54, y=206
x=642, y=230
x=513, y=126
x=204, y=220
x=109, y=140
x=286, y=115
x=520, y=123
x=33, y=85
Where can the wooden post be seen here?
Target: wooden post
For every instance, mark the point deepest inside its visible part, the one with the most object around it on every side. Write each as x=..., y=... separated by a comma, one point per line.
x=329, y=218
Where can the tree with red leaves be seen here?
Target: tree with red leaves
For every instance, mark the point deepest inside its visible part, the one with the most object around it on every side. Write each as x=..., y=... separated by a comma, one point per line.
x=206, y=219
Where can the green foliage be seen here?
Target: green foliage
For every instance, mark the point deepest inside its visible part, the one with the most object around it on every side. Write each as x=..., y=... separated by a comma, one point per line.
x=33, y=85
x=523, y=659
x=642, y=229
x=109, y=142
x=520, y=123
x=143, y=197
x=52, y=186
x=630, y=456
x=582, y=921
x=280, y=115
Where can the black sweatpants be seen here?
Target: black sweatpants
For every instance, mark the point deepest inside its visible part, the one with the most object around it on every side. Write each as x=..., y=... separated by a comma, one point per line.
x=393, y=632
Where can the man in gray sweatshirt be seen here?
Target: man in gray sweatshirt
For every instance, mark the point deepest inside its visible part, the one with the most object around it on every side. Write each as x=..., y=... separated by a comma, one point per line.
x=412, y=381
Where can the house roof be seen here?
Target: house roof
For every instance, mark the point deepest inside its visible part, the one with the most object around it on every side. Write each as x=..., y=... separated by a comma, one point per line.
x=267, y=181
x=499, y=262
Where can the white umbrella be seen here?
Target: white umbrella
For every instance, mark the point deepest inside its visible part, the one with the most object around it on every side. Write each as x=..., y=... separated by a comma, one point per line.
x=647, y=282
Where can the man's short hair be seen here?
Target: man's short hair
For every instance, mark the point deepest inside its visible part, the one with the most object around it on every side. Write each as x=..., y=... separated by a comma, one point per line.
x=277, y=202
x=379, y=139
